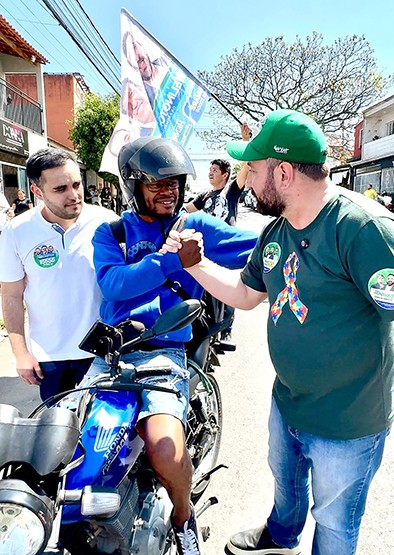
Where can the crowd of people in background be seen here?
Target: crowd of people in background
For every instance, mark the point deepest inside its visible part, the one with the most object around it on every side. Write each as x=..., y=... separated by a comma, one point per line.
x=19, y=205
x=385, y=198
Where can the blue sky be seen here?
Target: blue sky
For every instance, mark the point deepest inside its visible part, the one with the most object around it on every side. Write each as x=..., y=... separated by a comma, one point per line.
x=199, y=33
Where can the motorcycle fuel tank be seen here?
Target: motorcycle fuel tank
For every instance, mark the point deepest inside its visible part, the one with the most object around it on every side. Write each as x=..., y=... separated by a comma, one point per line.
x=110, y=444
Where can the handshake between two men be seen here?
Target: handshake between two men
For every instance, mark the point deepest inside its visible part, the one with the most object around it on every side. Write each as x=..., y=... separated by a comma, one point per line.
x=223, y=283
x=188, y=244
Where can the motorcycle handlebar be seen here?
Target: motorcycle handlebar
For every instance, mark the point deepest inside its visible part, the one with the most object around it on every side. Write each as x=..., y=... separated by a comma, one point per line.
x=112, y=385
x=133, y=386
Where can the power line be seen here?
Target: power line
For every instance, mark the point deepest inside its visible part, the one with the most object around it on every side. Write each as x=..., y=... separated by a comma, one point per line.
x=99, y=34
x=87, y=35
x=93, y=75
x=44, y=50
x=99, y=58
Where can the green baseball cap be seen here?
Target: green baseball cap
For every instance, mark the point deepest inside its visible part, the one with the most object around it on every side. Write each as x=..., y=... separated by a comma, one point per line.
x=285, y=135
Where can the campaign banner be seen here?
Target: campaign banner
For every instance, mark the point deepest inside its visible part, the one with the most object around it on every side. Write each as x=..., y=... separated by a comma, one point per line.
x=159, y=97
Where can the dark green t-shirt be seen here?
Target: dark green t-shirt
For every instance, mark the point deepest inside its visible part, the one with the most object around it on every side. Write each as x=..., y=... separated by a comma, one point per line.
x=330, y=327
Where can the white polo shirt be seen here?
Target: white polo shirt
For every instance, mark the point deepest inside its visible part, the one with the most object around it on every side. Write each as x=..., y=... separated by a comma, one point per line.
x=61, y=294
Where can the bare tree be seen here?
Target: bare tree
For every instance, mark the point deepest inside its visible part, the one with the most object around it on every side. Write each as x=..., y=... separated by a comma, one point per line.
x=331, y=83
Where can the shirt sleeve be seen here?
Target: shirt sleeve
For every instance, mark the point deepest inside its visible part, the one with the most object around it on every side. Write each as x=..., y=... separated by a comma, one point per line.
x=371, y=254
x=225, y=245
x=199, y=201
x=11, y=266
x=252, y=274
x=235, y=190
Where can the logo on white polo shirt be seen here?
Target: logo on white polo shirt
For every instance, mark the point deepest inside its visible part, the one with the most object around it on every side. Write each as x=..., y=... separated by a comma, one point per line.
x=46, y=256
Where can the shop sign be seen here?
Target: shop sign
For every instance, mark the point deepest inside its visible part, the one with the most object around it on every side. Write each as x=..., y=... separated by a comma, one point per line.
x=13, y=138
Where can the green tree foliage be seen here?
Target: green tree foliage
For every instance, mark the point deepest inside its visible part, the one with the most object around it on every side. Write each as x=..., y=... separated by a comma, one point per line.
x=331, y=83
x=92, y=128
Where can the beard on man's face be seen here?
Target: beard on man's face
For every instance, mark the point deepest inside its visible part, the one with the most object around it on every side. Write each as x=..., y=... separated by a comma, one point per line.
x=270, y=203
x=270, y=209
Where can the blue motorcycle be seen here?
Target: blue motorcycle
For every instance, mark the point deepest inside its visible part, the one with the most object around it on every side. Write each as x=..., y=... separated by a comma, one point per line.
x=77, y=480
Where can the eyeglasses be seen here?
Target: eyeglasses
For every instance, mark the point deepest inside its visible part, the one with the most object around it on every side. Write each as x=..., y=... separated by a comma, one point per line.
x=158, y=186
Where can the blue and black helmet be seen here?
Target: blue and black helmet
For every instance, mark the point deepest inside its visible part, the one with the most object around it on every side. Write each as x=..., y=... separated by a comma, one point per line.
x=149, y=159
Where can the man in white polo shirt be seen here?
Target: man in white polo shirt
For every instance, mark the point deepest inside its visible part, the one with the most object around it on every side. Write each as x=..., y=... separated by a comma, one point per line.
x=46, y=263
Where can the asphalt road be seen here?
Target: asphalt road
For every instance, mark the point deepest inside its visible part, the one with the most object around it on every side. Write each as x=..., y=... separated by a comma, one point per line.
x=245, y=489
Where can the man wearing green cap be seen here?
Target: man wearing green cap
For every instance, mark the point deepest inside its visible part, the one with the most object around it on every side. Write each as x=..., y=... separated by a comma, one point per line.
x=330, y=334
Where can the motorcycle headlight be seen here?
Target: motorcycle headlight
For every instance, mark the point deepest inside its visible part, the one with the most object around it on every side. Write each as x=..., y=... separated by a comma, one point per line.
x=25, y=519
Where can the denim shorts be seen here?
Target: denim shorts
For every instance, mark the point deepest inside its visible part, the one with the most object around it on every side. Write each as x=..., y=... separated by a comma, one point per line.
x=156, y=402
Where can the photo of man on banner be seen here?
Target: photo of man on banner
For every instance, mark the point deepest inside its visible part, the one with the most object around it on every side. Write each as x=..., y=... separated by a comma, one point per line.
x=159, y=96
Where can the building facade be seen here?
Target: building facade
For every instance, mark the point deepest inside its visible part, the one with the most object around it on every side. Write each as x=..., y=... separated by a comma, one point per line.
x=22, y=117
x=373, y=161
x=36, y=111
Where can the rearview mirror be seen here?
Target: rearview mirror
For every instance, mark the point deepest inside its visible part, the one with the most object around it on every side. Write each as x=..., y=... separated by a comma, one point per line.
x=177, y=317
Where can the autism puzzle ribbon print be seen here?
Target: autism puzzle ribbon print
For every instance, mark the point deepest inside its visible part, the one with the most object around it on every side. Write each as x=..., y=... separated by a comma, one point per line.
x=159, y=96
x=290, y=292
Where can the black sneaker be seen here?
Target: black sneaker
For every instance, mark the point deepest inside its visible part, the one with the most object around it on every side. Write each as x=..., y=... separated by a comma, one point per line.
x=225, y=343
x=187, y=537
x=259, y=542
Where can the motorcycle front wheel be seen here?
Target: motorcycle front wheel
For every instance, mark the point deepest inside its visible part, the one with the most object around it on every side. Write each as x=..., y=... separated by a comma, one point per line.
x=204, y=432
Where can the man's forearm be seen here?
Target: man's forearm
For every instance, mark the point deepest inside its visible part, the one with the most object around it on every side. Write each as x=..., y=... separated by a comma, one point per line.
x=225, y=285
x=14, y=320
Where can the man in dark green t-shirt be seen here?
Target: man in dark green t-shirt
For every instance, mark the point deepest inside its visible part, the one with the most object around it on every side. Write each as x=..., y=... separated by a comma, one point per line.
x=330, y=334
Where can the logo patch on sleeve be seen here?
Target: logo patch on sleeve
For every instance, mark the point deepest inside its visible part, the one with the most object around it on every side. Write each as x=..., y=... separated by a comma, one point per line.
x=381, y=288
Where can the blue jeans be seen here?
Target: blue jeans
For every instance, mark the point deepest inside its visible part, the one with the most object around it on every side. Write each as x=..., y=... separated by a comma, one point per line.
x=61, y=375
x=341, y=473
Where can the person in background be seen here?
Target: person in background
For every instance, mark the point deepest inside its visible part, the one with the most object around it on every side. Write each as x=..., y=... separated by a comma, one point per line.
x=21, y=203
x=46, y=263
x=5, y=216
x=370, y=192
x=221, y=201
x=332, y=405
x=106, y=197
x=92, y=196
x=4, y=204
x=386, y=199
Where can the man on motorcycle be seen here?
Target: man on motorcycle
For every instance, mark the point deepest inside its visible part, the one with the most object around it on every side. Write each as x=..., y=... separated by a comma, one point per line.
x=140, y=282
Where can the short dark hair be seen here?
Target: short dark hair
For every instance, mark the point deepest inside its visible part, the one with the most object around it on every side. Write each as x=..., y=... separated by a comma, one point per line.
x=46, y=159
x=313, y=171
x=224, y=166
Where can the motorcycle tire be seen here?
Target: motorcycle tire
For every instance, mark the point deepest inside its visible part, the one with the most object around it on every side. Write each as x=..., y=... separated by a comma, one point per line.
x=205, y=406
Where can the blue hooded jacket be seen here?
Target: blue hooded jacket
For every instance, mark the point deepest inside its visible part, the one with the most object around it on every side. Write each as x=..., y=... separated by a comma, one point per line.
x=133, y=286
